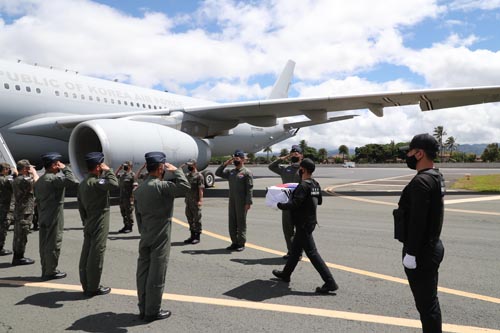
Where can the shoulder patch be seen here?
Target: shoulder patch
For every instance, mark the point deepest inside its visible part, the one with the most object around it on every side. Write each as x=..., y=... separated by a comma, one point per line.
x=102, y=181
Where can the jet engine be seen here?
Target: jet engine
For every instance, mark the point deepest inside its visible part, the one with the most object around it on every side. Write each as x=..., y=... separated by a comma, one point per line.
x=126, y=140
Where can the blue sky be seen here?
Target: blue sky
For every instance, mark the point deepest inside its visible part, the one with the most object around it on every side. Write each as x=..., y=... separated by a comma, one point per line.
x=229, y=50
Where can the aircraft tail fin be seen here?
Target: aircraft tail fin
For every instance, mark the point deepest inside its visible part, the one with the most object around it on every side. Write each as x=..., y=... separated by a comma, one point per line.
x=280, y=88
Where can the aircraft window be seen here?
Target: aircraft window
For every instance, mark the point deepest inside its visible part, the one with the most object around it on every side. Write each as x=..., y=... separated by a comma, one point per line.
x=149, y=106
x=125, y=102
x=56, y=92
x=83, y=96
x=98, y=99
x=6, y=85
x=132, y=104
x=38, y=91
x=18, y=87
x=74, y=95
x=90, y=98
x=105, y=100
x=118, y=101
x=112, y=101
x=138, y=105
x=28, y=89
x=155, y=107
x=66, y=94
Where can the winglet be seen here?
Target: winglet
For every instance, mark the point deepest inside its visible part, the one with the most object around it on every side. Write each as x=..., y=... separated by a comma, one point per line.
x=280, y=88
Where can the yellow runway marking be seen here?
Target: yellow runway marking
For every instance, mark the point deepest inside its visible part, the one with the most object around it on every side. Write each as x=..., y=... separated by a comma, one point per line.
x=350, y=269
x=362, y=317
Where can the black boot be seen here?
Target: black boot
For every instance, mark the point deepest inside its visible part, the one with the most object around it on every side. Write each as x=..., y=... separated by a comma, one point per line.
x=196, y=238
x=190, y=239
x=327, y=287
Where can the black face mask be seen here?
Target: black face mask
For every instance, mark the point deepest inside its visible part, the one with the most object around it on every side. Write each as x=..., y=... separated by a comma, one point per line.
x=411, y=162
x=10, y=172
x=126, y=168
x=236, y=163
x=190, y=168
x=294, y=159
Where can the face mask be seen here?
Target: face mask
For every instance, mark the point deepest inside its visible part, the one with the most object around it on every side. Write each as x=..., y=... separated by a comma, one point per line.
x=411, y=162
x=190, y=168
x=294, y=159
x=10, y=172
x=236, y=163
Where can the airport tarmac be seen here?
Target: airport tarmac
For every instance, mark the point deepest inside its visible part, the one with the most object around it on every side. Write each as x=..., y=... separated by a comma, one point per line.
x=209, y=289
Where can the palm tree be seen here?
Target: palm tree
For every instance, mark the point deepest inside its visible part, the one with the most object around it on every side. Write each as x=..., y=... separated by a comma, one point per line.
x=450, y=144
x=268, y=150
x=323, y=154
x=439, y=133
x=343, y=150
x=303, y=146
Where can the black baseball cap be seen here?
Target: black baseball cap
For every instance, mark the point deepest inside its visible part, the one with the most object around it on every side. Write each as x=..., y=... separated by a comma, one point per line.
x=423, y=141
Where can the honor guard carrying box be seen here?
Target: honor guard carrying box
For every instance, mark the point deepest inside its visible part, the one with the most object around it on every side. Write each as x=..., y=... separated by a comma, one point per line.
x=279, y=193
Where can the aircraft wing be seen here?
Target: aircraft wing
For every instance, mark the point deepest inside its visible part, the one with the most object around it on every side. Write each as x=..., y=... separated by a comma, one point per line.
x=265, y=112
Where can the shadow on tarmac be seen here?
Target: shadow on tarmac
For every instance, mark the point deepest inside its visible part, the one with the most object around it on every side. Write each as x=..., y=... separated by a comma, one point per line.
x=107, y=322
x=261, y=290
x=52, y=299
x=17, y=278
x=213, y=251
x=123, y=237
x=262, y=261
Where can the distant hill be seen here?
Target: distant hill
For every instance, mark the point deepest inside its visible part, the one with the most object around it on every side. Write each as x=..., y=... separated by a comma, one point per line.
x=477, y=148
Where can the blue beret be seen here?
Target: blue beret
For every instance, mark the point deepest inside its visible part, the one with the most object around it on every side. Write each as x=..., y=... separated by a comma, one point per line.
x=296, y=148
x=51, y=157
x=94, y=158
x=155, y=157
x=239, y=153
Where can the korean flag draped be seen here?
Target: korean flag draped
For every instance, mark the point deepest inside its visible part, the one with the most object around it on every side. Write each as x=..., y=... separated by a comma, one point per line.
x=279, y=193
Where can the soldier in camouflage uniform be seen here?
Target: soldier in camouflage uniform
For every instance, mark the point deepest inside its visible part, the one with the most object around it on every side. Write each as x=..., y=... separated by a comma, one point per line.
x=194, y=201
x=127, y=185
x=154, y=204
x=240, y=198
x=6, y=204
x=49, y=193
x=289, y=174
x=23, y=211
x=93, y=205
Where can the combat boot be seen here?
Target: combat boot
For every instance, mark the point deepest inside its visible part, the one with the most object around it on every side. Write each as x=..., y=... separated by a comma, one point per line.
x=190, y=239
x=196, y=238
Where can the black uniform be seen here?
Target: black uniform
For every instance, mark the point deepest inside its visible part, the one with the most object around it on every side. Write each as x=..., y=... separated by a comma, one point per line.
x=421, y=205
x=302, y=205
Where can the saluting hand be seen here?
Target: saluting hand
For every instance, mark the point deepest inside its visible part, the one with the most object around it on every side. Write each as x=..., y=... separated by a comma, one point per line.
x=170, y=167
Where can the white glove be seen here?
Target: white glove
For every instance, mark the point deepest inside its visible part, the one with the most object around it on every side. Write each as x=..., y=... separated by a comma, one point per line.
x=275, y=205
x=409, y=261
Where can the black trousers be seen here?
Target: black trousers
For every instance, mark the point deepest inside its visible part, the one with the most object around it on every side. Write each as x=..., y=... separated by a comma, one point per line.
x=304, y=240
x=423, y=283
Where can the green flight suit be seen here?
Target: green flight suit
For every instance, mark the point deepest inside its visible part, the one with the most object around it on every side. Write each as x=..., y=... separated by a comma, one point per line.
x=193, y=210
x=127, y=181
x=288, y=174
x=49, y=193
x=154, y=205
x=23, y=213
x=240, y=194
x=6, y=201
x=93, y=204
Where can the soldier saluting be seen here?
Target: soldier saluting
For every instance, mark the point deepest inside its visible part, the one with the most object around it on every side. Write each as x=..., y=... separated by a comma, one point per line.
x=49, y=193
x=6, y=204
x=194, y=201
x=24, y=209
x=154, y=205
x=93, y=204
x=127, y=183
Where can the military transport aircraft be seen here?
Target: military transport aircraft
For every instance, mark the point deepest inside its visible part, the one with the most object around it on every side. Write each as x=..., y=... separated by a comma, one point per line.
x=45, y=109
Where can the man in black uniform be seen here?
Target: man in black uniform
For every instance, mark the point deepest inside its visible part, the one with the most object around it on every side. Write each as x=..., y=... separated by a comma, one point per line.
x=303, y=204
x=418, y=222
x=289, y=174
x=126, y=179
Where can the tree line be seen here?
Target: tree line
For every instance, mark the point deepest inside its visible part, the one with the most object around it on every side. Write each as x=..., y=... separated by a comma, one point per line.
x=378, y=153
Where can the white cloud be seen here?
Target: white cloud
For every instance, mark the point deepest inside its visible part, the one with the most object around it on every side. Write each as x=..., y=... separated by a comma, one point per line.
x=216, y=51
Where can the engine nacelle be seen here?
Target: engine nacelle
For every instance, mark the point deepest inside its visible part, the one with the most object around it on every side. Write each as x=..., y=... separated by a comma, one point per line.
x=126, y=140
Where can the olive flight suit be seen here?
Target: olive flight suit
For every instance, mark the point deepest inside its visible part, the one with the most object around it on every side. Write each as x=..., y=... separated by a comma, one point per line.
x=6, y=206
x=154, y=204
x=288, y=174
x=23, y=213
x=240, y=194
x=193, y=210
x=127, y=181
x=49, y=193
x=93, y=204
